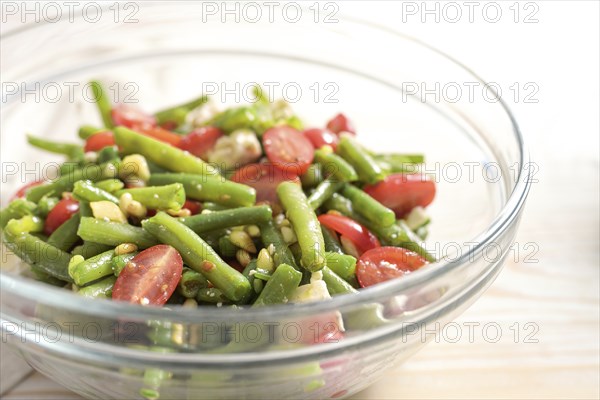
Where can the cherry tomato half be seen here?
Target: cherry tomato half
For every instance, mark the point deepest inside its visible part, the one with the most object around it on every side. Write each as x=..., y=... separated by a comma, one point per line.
x=403, y=192
x=99, y=140
x=199, y=141
x=129, y=116
x=385, y=263
x=151, y=277
x=362, y=238
x=158, y=133
x=59, y=214
x=191, y=205
x=288, y=149
x=341, y=123
x=321, y=137
x=264, y=178
x=23, y=190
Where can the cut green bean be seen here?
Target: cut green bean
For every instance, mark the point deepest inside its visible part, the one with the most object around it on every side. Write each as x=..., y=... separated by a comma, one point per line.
x=207, y=222
x=335, y=283
x=335, y=166
x=199, y=255
x=211, y=206
x=323, y=192
x=211, y=295
x=99, y=290
x=103, y=103
x=119, y=262
x=168, y=197
x=178, y=113
x=209, y=188
x=16, y=209
x=92, y=269
x=305, y=223
x=67, y=149
x=110, y=185
x=114, y=233
x=108, y=153
x=271, y=237
x=368, y=207
x=312, y=177
x=342, y=264
x=85, y=131
x=90, y=249
x=190, y=283
x=368, y=170
x=280, y=287
x=226, y=247
x=85, y=190
x=45, y=205
x=160, y=153
x=65, y=236
x=331, y=243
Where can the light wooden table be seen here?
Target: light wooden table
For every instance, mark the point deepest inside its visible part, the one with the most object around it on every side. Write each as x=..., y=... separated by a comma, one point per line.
x=558, y=295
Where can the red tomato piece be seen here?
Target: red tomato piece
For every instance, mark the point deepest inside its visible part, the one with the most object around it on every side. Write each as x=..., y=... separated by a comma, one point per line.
x=288, y=149
x=385, y=263
x=151, y=277
x=341, y=123
x=403, y=192
x=199, y=141
x=129, y=116
x=99, y=140
x=362, y=238
x=158, y=133
x=23, y=190
x=194, y=207
x=264, y=178
x=61, y=212
x=321, y=137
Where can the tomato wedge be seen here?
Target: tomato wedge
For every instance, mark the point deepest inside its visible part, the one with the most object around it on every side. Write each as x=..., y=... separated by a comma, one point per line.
x=362, y=238
x=99, y=140
x=60, y=213
x=264, y=178
x=193, y=206
x=151, y=277
x=23, y=190
x=321, y=137
x=199, y=141
x=288, y=149
x=341, y=123
x=129, y=116
x=158, y=133
x=403, y=192
x=385, y=263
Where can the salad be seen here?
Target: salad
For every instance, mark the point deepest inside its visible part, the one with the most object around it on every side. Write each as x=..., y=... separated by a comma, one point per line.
x=196, y=206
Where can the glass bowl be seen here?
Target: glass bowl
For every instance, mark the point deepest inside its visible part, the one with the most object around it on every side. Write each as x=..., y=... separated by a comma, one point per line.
x=386, y=82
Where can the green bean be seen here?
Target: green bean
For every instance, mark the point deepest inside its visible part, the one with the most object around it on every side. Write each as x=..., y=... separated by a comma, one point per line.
x=45, y=205
x=342, y=264
x=340, y=203
x=42, y=276
x=305, y=223
x=209, y=205
x=280, y=287
x=85, y=131
x=119, y=262
x=236, y=118
x=39, y=254
x=160, y=153
x=198, y=255
x=368, y=207
x=65, y=236
x=110, y=185
x=207, y=222
x=108, y=153
x=208, y=188
x=103, y=103
x=90, y=249
x=271, y=236
x=324, y=191
x=99, y=290
x=393, y=163
x=226, y=247
x=179, y=112
x=336, y=284
x=312, y=177
x=85, y=210
x=248, y=274
x=84, y=190
x=25, y=224
x=16, y=209
x=67, y=149
x=190, y=283
x=331, y=243
x=211, y=295
x=65, y=183
x=168, y=197
x=114, y=233
x=92, y=269
x=368, y=170
x=335, y=165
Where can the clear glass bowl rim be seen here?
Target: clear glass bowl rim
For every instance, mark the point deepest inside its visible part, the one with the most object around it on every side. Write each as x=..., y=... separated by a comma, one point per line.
x=66, y=300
